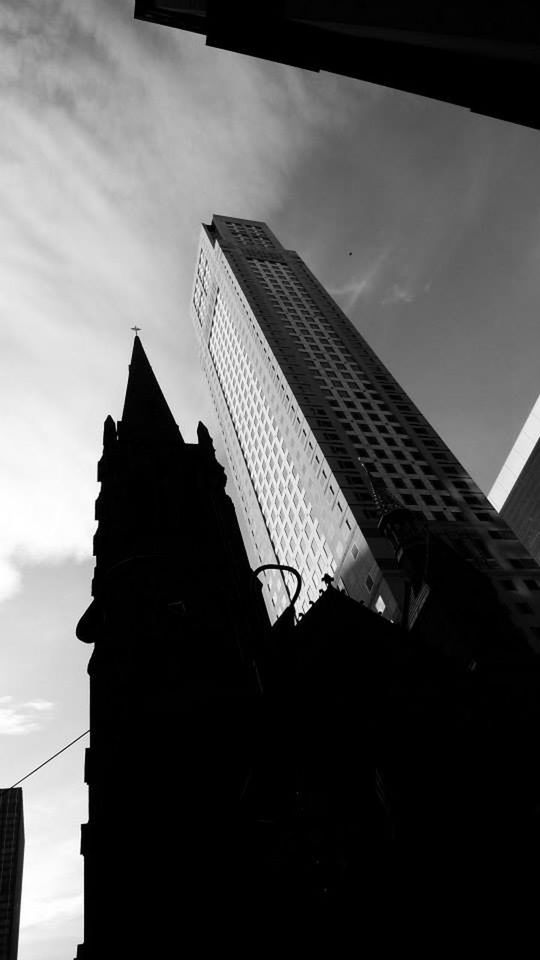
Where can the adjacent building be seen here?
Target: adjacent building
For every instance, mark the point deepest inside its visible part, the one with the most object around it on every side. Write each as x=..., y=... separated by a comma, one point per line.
x=312, y=420
x=487, y=59
x=11, y=870
x=516, y=491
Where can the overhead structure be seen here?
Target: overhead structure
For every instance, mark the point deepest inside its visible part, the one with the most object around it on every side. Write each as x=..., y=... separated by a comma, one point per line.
x=480, y=55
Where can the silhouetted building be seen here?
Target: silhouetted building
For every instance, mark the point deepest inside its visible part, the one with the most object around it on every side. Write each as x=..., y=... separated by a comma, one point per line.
x=11, y=870
x=248, y=783
x=399, y=776
x=172, y=619
x=302, y=401
x=413, y=753
x=483, y=56
x=516, y=491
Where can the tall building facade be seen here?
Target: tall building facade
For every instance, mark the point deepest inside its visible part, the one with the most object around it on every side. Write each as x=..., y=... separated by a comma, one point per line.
x=11, y=869
x=516, y=491
x=303, y=402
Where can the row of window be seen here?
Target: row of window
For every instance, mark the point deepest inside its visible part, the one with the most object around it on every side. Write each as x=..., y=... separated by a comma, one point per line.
x=200, y=292
x=278, y=269
x=249, y=233
x=259, y=533
x=274, y=477
x=393, y=446
x=373, y=419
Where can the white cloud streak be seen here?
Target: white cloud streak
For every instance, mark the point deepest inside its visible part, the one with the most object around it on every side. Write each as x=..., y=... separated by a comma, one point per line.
x=39, y=705
x=364, y=283
x=17, y=720
x=118, y=139
x=47, y=893
x=398, y=294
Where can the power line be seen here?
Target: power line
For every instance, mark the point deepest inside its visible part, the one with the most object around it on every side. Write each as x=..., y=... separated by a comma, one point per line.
x=81, y=735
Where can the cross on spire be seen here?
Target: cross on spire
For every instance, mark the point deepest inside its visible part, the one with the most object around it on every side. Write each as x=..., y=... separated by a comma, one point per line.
x=146, y=412
x=136, y=329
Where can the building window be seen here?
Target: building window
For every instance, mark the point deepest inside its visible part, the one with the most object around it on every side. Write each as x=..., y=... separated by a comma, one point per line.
x=380, y=605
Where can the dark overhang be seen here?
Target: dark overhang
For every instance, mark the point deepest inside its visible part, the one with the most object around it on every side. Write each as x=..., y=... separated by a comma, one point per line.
x=479, y=55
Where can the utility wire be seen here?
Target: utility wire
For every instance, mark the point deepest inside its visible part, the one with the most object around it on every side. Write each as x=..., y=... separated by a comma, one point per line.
x=50, y=758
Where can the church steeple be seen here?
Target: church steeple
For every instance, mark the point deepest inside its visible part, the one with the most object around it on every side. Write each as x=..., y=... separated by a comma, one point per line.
x=146, y=411
x=144, y=474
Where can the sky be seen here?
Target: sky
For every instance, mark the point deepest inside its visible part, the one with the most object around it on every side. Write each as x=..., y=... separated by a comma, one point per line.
x=119, y=139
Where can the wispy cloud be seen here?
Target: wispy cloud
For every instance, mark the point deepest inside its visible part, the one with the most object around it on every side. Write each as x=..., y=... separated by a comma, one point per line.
x=39, y=705
x=352, y=291
x=118, y=139
x=398, y=294
x=19, y=719
x=363, y=283
x=48, y=897
x=52, y=910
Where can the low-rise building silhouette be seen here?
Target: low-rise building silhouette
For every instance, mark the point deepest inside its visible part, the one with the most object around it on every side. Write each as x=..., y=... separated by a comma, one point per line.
x=11, y=870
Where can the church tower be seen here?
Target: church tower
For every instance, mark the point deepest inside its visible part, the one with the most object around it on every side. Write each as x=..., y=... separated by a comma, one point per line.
x=173, y=683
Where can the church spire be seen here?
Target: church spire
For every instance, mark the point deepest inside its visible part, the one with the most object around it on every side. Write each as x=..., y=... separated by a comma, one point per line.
x=146, y=412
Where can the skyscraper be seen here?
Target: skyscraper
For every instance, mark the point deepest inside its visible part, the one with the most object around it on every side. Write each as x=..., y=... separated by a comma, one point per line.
x=516, y=491
x=303, y=402
x=11, y=870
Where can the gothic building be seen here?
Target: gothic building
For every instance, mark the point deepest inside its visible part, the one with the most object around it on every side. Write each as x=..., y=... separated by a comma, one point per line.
x=171, y=680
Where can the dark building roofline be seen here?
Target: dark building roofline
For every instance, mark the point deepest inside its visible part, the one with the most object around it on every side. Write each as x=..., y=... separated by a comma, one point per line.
x=482, y=56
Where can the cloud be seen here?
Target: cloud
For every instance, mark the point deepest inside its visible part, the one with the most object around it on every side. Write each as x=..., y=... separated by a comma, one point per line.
x=10, y=578
x=352, y=291
x=120, y=137
x=39, y=705
x=361, y=285
x=18, y=720
x=52, y=910
x=48, y=895
x=398, y=294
